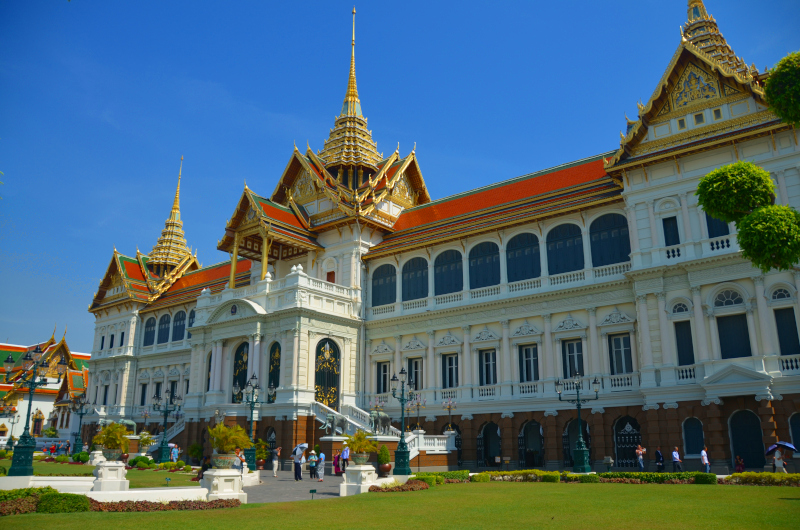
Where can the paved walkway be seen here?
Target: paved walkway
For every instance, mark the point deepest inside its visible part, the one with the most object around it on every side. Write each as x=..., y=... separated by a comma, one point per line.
x=285, y=488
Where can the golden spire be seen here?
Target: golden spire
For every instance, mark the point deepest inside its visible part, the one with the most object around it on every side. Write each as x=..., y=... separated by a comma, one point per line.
x=702, y=31
x=352, y=105
x=171, y=247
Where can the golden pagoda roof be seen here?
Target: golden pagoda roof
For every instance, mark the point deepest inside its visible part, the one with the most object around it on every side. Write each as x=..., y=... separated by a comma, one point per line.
x=350, y=142
x=171, y=249
x=702, y=31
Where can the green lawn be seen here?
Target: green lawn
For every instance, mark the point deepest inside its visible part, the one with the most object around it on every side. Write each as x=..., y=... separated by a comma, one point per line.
x=138, y=479
x=492, y=505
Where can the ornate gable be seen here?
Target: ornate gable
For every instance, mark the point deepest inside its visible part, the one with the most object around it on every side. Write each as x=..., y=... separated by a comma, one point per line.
x=694, y=87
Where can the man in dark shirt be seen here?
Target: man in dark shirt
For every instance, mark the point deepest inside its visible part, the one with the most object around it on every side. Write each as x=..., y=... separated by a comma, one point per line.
x=206, y=465
x=659, y=460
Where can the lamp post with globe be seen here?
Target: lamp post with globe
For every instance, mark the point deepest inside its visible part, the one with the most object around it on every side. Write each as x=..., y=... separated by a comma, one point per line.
x=250, y=398
x=171, y=403
x=78, y=406
x=401, y=464
x=581, y=452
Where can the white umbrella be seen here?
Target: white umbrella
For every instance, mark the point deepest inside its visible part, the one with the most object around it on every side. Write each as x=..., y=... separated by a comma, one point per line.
x=302, y=448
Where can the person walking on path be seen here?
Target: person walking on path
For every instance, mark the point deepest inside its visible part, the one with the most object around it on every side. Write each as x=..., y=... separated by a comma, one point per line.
x=298, y=462
x=312, y=464
x=53, y=449
x=676, y=461
x=276, y=455
x=345, y=458
x=68, y=448
x=336, y=459
x=659, y=460
x=175, y=452
x=778, y=459
x=321, y=466
x=60, y=447
x=704, y=460
x=640, y=451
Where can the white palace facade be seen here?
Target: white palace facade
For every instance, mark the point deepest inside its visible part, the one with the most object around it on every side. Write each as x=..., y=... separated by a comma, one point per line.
x=605, y=268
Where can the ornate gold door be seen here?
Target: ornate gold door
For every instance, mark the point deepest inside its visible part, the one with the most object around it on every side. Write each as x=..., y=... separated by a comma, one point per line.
x=327, y=373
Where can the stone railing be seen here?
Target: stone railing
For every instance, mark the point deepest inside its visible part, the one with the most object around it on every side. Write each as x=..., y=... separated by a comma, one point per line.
x=719, y=244
x=530, y=389
x=484, y=292
x=622, y=382
x=449, y=298
x=612, y=270
x=567, y=277
x=790, y=364
x=685, y=375
x=488, y=391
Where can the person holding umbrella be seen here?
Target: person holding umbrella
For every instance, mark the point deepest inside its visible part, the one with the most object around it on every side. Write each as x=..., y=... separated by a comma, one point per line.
x=777, y=455
x=297, y=456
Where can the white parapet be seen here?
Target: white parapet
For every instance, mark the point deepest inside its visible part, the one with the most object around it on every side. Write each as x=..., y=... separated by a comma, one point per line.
x=223, y=484
x=151, y=494
x=110, y=476
x=357, y=479
x=95, y=457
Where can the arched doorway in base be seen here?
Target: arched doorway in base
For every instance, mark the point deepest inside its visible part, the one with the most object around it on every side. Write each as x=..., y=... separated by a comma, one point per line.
x=627, y=436
x=747, y=439
x=569, y=440
x=531, y=445
x=489, y=445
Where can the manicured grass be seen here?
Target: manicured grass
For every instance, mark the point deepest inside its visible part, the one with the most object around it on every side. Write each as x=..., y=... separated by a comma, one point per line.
x=492, y=505
x=138, y=479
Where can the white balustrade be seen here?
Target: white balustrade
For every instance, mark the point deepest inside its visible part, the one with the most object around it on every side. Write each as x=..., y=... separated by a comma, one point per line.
x=529, y=389
x=612, y=270
x=622, y=382
x=449, y=298
x=485, y=291
x=525, y=285
x=415, y=304
x=383, y=309
x=790, y=364
x=488, y=391
x=673, y=252
x=448, y=394
x=685, y=375
x=567, y=277
x=719, y=244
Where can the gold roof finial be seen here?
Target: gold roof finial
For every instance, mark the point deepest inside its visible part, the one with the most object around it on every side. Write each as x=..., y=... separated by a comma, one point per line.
x=171, y=246
x=176, y=204
x=352, y=105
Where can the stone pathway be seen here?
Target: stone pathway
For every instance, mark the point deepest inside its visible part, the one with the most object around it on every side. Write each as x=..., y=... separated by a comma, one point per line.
x=285, y=489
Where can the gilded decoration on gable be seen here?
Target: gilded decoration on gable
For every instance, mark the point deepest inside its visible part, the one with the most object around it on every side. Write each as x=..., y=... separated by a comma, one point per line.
x=729, y=90
x=304, y=188
x=402, y=189
x=694, y=85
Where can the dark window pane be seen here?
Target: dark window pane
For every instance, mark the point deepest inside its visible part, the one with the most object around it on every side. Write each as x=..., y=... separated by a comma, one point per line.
x=415, y=279
x=150, y=331
x=484, y=265
x=448, y=277
x=787, y=331
x=522, y=258
x=693, y=436
x=671, y=236
x=163, y=329
x=564, y=249
x=384, y=290
x=683, y=342
x=734, y=339
x=610, y=241
x=179, y=326
x=716, y=228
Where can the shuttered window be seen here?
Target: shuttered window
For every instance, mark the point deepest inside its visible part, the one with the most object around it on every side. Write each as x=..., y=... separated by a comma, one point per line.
x=528, y=363
x=448, y=275
x=683, y=342
x=787, y=331
x=619, y=348
x=415, y=279
x=572, y=358
x=610, y=241
x=734, y=339
x=564, y=249
x=716, y=228
x=671, y=235
x=488, y=367
x=484, y=265
x=522, y=258
x=384, y=287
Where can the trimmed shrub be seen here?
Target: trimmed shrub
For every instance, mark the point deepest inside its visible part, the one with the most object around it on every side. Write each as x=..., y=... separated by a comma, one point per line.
x=63, y=503
x=84, y=457
x=550, y=477
x=7, y=495
x=705, y=478
x=650, y=478
x=764, y=479
x=525, y=475
x=430, y=481
x=3, y=471
x=480, y=477
x=411, y=485
x=147, y=506
x=19, y=506
x=187, y=469
x=2, y=454
x=457, y=475
x=583, y=479
x=62, y=458
x=180, y=463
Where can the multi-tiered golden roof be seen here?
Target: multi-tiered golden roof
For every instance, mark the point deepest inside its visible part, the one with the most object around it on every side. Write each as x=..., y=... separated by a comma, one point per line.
x=170, y=249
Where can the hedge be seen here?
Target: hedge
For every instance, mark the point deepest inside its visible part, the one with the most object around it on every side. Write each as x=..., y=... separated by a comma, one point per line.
x=430, y=481
x=480, y=477
x=591, y=478
x=651, y=478
x=3, y=471
x=764, y=479
x=411, y=485
x=525, y=475
x=63, y=503
x=705, y=478
x=8, y=495
x=187, y=469
x=458, y=475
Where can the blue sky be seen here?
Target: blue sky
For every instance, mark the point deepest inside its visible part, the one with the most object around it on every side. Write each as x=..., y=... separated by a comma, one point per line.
x=99, y=100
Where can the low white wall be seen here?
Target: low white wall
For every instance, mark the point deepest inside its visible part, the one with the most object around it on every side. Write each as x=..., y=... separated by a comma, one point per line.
x=62, y=484
x=151, y=494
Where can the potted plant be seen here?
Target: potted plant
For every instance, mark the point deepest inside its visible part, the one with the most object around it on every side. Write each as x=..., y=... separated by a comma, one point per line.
x=262, y=454
x=360, y=447
x=114, y=440
x=384, y=461
x=224, y=440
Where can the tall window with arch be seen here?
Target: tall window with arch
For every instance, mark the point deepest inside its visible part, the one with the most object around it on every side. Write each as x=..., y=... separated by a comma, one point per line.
x=693, y=437
x=240, y=370
x=564, y=249
x=522, y=258
x=163, y=329
x=484, y=265
x=384, y=288
x=448, y=275
x=178, y=326
x=683, y=334
x=610, y=241
x=415, y=279
x=149, y=331
x=274, y=377
x=734, y=337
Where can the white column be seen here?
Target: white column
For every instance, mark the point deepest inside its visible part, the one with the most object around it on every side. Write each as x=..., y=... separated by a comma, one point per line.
x=606, y=362
x=655, y=242
x=712, y=324
x=398, y=287
x=257, y=360
x=431, y=369
x=118, y=398
x=295, y=376
x=218, y=366
x=687, y=225
x=398, y=344
x=765, y=321
x=634, y=227
x=700, y=326
x=506, y=353
x=644, y=331
x=780, y=176
x=503, y=266
x=543, y=261
x=467, y=360
x=547, y=359
x=585, y=350
x=354, y=272
x=151, y=391
x=667, y=346
x=594, y=366
x=431, y=278
x=701, y=216
x=587, y=244
x=340, y=271
x=751, y=330
x=373, y=376
x=465, y=272
x=634, y=352
x=181, y=385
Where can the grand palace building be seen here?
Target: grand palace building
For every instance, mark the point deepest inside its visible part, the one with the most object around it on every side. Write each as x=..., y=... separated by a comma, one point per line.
x=603, y=268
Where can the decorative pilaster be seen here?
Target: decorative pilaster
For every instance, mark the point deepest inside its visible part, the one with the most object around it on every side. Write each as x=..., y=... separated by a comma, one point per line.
x=700, y=326
x=430, y=369
x=467, y=360
x=548, y=348
x=506, y=353
x=595, y=366
x=765, y=322
x=647, y=371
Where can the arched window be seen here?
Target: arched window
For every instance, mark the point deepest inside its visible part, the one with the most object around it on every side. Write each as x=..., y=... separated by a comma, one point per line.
x=747, y=439
x=564, y=249
x=415, y=279
x=447, y=275
x=610, y=241
x=178, y=326
x=150, y=331
x=522, y=258
x=163, y=329
x=693, y=438
x=781, y=294
x=680, y=307
x=274, y=374
x=240, y=371
x=728, y=297
x=191, y=323
x=384, y=289
x=484, y=265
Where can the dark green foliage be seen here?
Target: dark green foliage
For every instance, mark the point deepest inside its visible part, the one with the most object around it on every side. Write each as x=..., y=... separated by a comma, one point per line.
x=317, y=449
x=429, y=480
x=480, y=477
x=19, y=506
x=180, y=463
x=583, y=479
x=705, y=478
x=651, y=478
x=84, y=457
x=187, y=469
x=62, y=458
x=147, y=506
x=63, y=503
x=7, y=495
x=3, y=471
x=731, y=192
x=456, y=475
x=140, y=461
x=195, y=451
x=383, y=455
x=770, y=237
x=783, y=89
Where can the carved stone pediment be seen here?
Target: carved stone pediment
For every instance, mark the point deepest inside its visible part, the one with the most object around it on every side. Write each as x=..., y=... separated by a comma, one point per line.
x=448, y=340
x=174, y=373
x=616, y=317
x=526, y=329
x=383, y=348
x=414, y=344
x=158, y=373
x=144, y=375
x=485, y=334
x=569, y=323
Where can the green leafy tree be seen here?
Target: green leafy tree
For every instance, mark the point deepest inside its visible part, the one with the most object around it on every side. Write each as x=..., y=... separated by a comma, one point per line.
x=743, y=193
x=225, y=439
x=783, y=89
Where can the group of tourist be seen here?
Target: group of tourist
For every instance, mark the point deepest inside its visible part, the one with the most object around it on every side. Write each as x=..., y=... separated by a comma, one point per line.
x=61, y=448
x=778, y=465
x=316, y=463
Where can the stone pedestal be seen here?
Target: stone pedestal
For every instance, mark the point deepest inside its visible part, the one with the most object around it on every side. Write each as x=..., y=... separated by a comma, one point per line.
x=95, y=457
x=110, y=476
x=223, y=484
x=357, y=479
x=250, y=479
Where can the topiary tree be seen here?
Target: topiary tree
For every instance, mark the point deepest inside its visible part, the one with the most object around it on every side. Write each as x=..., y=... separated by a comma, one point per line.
x=743, y=193
x=783, y=89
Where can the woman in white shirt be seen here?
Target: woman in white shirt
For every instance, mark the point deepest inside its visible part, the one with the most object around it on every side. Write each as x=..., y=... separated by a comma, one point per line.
x=778, y=458
x=704, y=459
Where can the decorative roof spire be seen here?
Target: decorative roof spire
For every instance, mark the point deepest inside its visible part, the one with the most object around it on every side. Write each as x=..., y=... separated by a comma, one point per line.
x=171, y=247
x=696, y=10
x=702, y=31
x=350, y=142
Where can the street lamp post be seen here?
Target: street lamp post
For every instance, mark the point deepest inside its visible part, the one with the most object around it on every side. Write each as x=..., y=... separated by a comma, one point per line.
x=401, y=464
x=34, y=375
x=418, y=404
x=10, y=412
x=449, y=406
x=581, y=452
x=171, y=404
x=251, y=394
x=78, y=406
